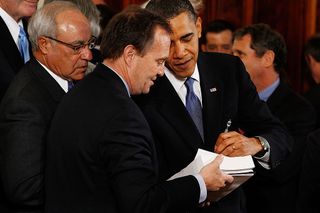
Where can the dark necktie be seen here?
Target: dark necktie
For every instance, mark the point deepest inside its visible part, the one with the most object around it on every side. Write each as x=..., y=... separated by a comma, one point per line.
x=193, y=105
x=23, y=45
x=70, y=85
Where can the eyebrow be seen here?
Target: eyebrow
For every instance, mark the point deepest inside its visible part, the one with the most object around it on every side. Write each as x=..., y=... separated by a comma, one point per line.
x=162, y=59
x=186, y=35
x=237, y=51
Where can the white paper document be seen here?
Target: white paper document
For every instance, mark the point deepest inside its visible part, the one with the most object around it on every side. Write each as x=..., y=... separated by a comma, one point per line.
x=241, y=168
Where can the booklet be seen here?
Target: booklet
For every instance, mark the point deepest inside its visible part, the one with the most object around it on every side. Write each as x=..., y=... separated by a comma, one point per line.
x=241, y=168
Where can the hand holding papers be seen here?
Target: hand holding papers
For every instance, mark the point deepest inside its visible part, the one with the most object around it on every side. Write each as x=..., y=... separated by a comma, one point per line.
x=241, y=168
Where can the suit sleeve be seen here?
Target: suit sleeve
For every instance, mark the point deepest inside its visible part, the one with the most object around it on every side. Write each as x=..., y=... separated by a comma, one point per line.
x=22, y=142
x=129, y=154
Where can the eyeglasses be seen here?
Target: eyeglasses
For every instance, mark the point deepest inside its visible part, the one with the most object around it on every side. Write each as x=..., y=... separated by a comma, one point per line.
x=77, y=48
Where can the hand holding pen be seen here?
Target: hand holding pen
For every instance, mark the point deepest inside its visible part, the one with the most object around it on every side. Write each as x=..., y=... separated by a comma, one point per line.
x=228, y=125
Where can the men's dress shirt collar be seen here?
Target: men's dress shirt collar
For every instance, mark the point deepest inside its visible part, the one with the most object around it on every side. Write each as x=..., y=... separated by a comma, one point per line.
x=178, y=84
x=267, y=92
x=62, y=82
x=12, y=25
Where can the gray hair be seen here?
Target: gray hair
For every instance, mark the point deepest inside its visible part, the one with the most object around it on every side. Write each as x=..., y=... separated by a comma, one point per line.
x=43, y=22
x=89, y=10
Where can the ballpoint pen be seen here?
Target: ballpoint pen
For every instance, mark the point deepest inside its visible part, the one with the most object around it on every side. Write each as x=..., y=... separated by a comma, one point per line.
x=228, y=125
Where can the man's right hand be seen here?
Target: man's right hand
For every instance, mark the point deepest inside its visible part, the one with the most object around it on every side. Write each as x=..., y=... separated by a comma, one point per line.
x=213, y=177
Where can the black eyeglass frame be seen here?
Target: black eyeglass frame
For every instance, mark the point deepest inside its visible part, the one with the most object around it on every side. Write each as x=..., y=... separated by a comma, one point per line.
x=77, y=48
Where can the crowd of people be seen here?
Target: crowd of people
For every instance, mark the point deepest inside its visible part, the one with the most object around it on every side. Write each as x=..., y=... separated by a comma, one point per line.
x=99, y=109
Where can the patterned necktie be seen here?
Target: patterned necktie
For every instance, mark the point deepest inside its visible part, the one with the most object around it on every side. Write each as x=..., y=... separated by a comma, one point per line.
x=23, y=45
x=70, y=85
x=193, y=106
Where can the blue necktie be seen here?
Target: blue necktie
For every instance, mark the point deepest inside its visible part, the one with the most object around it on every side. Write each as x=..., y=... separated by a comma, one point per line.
x=193, y=106
x=23, y=45
x=70, y=85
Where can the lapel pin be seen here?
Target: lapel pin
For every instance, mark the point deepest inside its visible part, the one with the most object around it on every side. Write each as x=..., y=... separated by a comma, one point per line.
x=213, y=89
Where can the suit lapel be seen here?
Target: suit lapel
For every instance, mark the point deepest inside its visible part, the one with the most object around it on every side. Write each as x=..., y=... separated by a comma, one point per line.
x=9, y=47
x=176, y=114
x=211, y=100
x=46, y=79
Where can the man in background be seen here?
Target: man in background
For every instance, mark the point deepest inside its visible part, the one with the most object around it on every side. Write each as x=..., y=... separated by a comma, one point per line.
x=312, y=57
x=218, y=37
x=61, y=37
x=15, y=48
x=263, y=52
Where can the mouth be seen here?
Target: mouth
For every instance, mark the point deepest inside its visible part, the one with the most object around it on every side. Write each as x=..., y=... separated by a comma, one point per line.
x=183, y=65
x=32, y=3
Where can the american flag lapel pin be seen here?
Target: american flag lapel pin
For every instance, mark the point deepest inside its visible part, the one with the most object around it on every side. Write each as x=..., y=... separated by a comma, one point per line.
x=213, y=89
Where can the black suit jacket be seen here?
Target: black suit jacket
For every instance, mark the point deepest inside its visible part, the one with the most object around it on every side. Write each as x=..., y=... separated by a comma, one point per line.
x=101, y=155
x=279, y=188
x=25, y=114
x=308, y=200
x=227, y=93
x=10, y=58
x=313, y=95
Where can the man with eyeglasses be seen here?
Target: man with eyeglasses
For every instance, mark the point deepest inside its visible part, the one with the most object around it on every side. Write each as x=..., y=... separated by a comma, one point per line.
x=61, y=40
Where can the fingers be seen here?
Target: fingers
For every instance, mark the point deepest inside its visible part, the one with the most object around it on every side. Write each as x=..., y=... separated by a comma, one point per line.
x=226, y=139
x=218, y=160
x=229, y=179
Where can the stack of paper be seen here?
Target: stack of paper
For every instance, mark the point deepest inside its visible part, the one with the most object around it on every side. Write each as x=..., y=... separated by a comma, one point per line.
x=241, y=168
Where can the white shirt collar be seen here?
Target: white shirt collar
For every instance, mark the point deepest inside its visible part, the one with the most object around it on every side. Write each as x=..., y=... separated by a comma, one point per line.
x=62, y=82
x=179, y=86
x=12, y=25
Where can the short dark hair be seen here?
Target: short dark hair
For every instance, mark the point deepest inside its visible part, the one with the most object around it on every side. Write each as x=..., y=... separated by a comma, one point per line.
x=133, y=26
x=263, y=38
x=312, y=47
x=219, y=25
x=216, y=26
x=172, y=8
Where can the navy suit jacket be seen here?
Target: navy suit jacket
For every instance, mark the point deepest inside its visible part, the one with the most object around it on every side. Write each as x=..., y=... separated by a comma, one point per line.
x=25, y=114
x=227, y=93
x=101, y=155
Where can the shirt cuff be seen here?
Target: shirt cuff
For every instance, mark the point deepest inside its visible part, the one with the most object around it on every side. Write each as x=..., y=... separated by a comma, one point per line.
x=203, y=188
x=264, y=161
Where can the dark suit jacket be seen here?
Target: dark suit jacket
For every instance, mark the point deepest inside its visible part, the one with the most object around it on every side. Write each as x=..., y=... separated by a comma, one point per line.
x=227, y=93
x=279, y=188
x=10, y=58
x=25, y=114
x=313, y=95
x=101, y=155
x=308, y=200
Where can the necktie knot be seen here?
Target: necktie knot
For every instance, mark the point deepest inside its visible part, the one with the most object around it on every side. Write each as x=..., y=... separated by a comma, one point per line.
x=23, y=45
x=193, y=105
x=189, y=84
x=70, y=85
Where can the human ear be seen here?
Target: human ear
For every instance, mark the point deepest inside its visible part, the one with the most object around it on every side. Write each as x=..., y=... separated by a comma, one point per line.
x=129, y=54
x=199, y=26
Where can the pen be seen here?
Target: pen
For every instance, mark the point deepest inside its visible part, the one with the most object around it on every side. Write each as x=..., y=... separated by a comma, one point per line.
x=228, y=125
